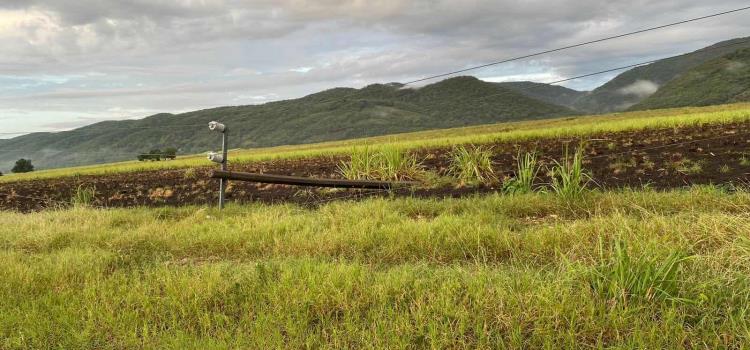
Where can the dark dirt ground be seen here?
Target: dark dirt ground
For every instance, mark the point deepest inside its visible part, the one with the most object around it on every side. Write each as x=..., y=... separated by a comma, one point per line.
x=658, y=158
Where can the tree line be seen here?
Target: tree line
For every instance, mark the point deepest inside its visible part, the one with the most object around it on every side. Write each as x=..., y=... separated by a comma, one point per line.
x=24, y=165
x=157, y=154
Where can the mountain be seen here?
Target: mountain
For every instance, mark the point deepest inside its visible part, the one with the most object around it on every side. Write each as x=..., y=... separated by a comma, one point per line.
x=635, y=85
x=554, y=94
x=722, y=80
x=334, y=114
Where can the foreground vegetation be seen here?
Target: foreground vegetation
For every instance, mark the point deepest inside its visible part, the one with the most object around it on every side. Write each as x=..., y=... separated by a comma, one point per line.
x=617, y=270
x=550, y=128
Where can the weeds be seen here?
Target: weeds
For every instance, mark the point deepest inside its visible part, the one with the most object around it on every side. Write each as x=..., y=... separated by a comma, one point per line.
x=396, y=164
x=744, y=161
x=190, y=174
x=389, y=163
x=621, y=165
x=472, y=165
x=83, y=196
x=360, y=166
x=687, y=166
x=526, y=173
x=568, y=178
x=623, y=278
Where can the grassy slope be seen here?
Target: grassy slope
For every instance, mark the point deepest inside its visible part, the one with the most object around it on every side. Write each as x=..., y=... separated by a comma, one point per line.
x=331, y=115
x=561, y=127
x=609, y=98
x=723, y=80
x=487, y=272
x=555, y=94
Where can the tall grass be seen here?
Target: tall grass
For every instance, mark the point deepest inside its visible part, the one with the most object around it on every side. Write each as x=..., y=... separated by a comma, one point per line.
x=388, y=163
x=83, y=196
x=395, y=163
x=472, y=164
x=568, y=177
x=361, y=164
x=485, y=272
x=622, y=278
x=527, y=170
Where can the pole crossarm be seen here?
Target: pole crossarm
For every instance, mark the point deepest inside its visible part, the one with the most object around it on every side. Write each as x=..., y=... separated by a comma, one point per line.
x=305, y=181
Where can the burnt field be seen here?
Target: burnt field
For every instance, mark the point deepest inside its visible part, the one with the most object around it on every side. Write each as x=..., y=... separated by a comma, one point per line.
x=657, y=158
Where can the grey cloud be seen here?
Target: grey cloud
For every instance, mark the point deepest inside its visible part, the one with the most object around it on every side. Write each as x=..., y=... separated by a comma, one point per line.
x=181, y=54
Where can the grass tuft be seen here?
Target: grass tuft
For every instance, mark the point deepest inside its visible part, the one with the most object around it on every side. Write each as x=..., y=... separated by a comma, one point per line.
x=83, y=196
x=472, y=164
x=361, y=164
x=388, y=163
x=622, y=278
x=526, y=174
x=568, y=177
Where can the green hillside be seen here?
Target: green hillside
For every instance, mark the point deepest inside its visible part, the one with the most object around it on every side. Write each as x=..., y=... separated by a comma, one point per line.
x=554, y=94
x=723, y=80
x=334, y=114
x=620, y=93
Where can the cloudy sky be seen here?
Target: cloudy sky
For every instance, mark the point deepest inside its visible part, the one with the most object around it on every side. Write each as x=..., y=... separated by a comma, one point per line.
x=67, y=63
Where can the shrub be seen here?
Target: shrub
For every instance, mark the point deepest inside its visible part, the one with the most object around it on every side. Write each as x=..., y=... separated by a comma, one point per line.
x=526, y=173
x=569, y=179
x=472, y=164
x=170, y=153
x=23, y=166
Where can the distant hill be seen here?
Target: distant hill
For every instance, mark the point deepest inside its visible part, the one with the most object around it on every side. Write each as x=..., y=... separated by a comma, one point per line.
x=722, y=80
x=555, y=94
x=335, y=114
x=635, y=85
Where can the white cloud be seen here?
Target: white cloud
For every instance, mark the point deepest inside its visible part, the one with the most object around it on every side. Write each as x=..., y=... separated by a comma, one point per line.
x=640, y=88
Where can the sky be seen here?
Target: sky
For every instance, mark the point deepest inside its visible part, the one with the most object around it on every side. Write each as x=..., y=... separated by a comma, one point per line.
x=69, y=63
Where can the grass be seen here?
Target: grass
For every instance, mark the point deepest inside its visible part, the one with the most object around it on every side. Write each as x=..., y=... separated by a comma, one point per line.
x=524, y=180
x=569, y=179
x=361, y=164
x=472, y=165
x=83, y=196
x=524, y=271
x=687, y=166
x=550, y=128
x=388, y=163
x=621, y=278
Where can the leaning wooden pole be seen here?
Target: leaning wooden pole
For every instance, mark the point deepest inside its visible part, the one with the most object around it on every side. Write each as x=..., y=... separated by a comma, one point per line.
x=306, y=181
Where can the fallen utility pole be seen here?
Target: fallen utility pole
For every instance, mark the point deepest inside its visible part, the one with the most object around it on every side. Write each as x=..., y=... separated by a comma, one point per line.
x=306, y=181
x=225, y=175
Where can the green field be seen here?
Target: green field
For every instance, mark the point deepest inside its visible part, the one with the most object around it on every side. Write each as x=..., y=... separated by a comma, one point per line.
x=625, y=270
x=550, y=128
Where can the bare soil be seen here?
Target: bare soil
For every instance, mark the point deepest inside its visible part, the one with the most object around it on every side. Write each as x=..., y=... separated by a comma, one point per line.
x=658, y=158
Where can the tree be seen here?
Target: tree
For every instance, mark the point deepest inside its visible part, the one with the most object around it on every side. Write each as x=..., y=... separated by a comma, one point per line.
x=23, y=166
x=154, y=154
x=170, y=153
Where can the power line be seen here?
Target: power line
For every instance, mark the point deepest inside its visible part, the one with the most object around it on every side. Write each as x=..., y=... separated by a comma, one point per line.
x=474, y=68
x=628, y=66
x=119, y=128
x=645, y=63
x=576, y=45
